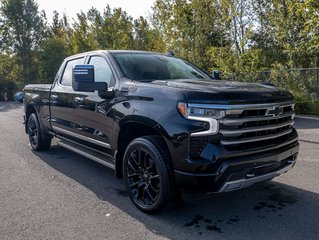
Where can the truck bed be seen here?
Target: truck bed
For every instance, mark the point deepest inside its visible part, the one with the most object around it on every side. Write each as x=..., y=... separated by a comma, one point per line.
x=38, y=87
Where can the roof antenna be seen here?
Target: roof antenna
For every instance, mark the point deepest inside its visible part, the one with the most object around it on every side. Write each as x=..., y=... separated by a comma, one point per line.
x=170, y=53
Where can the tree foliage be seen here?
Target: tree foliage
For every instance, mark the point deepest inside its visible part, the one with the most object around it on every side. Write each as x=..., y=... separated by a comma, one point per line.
x=23, y=28
x=235, y=36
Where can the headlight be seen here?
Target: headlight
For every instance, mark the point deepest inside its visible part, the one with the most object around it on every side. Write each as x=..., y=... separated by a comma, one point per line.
x=201, y=112
x=204, y=114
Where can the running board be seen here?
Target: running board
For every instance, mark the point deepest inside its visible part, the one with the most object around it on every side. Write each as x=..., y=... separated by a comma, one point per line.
x=85, y=152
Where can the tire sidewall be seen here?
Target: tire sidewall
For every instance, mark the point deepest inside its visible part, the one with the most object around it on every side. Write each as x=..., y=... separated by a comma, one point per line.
x=34, y=117
x=151, y=149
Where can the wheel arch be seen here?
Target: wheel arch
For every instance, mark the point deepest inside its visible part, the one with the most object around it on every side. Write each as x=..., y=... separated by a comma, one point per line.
x=32, y=108
x=132, y=129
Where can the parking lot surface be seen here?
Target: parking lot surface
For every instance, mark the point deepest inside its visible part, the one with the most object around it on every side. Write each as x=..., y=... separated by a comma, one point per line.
x=58, y=194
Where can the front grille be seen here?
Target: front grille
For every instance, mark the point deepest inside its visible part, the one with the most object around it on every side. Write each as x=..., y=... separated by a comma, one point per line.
x=255, y=127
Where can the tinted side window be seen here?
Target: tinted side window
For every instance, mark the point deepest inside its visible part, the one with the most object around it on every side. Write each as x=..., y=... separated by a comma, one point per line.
x=67, y=75
x=102, y=71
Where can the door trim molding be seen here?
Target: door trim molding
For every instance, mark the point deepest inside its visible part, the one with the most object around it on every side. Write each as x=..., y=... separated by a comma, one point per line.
x=72, y=134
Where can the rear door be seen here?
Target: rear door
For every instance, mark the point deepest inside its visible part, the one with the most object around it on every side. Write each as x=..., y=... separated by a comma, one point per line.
x=94, y=116
x=62, y=98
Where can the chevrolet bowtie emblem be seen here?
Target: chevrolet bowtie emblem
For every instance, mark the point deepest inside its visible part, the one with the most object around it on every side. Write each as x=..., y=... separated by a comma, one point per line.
x=275, y=111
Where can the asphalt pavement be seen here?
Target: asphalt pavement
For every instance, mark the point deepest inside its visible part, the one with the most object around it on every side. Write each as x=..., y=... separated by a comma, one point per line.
x=58, y=194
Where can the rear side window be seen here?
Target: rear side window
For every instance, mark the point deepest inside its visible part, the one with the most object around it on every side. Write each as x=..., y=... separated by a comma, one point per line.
x=67, y=74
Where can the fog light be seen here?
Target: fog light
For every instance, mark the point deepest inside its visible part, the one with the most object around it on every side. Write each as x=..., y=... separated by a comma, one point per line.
x=234, y=186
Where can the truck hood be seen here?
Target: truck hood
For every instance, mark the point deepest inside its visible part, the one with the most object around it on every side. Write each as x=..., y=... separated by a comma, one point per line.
x=226, y=92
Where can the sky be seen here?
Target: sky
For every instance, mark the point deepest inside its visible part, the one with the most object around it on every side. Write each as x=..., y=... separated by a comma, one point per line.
x=134, y=8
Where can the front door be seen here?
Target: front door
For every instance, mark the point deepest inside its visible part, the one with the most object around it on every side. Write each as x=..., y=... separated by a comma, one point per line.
x=94, y=116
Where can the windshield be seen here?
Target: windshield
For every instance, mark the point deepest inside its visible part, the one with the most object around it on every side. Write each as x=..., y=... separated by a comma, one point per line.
x=150, y=67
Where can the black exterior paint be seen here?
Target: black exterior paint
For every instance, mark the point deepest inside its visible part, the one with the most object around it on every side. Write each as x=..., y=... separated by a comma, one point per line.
x=154, y=105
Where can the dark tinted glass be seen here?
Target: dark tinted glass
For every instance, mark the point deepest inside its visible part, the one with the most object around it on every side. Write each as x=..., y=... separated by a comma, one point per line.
x=67, y=75
x=102, y=71
x=148, y=67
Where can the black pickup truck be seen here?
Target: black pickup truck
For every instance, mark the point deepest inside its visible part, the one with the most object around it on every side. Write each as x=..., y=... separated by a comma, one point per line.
x=163, y=124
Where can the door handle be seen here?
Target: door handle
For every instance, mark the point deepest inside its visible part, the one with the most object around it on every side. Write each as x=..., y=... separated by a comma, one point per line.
x=54, y=97
x=78, y=99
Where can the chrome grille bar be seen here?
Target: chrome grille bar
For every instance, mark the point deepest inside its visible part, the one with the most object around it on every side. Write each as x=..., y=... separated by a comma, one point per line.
x=239, y=121
x=241, y=106
x=255, y=129
x=254, y=139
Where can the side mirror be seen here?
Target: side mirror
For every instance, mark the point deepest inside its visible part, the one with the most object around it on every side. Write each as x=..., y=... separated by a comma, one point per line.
x=106, y=94
x=216, y=75
x=83, y=79
x=170, y=54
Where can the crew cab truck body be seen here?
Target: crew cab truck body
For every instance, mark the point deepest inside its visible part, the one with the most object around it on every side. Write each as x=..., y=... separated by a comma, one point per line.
x=163, y=124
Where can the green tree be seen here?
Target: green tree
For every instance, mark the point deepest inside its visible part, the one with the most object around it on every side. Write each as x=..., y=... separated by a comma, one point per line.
x=111, y=29
x=52, y=53
x=118, y=29
x=9, y=75
x=82, y=39
x=146, y=37
x=311, y=30
x=23, y=29
x=288, y=21
x=190, y=28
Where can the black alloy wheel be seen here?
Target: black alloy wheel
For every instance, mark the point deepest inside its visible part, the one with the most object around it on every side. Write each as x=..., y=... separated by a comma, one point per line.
x=33, y=131
x=143, y=177
x=148, y=174
x=37, y=139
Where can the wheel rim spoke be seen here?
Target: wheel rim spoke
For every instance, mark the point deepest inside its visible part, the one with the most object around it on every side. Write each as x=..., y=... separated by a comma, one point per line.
x=148, y=192
x=145, y=161
x=140, y=190
x=153, y=188
x=134, y=184
x=140, y=157
x=33, y=132
x=154, y=177
x=143, y=177
x=132, y=167
x=131, y=175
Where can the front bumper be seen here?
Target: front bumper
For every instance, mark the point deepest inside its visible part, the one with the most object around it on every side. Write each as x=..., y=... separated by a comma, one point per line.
x=240, y=172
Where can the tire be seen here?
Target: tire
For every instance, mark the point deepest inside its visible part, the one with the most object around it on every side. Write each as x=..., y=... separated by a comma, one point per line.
x=37, y=141
x=148, y=175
